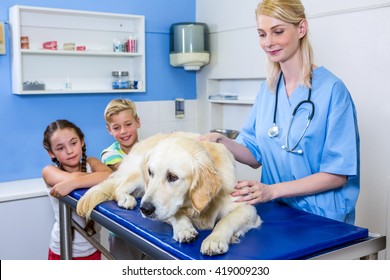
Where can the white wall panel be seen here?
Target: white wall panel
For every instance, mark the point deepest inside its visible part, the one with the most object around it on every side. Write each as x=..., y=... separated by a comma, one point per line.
x=317, y=7
x=222, y=15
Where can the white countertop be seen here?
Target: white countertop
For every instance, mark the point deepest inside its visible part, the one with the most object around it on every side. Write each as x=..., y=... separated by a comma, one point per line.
x=22, y=189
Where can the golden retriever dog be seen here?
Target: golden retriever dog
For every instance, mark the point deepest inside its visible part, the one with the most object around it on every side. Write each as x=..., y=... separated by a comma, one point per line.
x=184, y=182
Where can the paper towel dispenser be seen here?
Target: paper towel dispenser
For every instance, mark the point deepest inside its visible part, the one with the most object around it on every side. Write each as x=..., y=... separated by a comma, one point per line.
x=189, y=45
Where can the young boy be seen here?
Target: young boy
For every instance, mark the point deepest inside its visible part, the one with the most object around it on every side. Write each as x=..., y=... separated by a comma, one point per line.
x=122, y=123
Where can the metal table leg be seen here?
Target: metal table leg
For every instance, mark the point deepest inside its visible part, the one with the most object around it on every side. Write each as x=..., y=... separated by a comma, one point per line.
x=93, y=241
x=65, y=231
x=373, y=256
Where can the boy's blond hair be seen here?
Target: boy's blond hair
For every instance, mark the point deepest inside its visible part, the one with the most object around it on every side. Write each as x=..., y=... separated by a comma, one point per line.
x=118, y=105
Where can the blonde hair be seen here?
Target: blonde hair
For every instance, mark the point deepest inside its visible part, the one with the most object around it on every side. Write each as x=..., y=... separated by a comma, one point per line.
x=118, y=105
x=290, y=11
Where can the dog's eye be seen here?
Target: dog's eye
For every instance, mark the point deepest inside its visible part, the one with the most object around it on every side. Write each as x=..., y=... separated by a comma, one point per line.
x=150, y=173
x=171, y=177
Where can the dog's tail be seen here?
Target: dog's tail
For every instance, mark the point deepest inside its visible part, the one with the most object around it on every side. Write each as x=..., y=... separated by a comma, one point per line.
x=102, y=192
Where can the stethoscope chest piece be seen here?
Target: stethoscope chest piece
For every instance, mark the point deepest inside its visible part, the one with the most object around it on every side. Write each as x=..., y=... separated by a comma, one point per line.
x=273, y=131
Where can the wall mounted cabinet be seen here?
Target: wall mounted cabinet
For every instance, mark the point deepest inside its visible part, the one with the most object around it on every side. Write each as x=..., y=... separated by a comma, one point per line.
x=38, y=70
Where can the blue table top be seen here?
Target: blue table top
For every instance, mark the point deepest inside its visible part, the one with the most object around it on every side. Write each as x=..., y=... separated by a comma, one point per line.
x=285, y=233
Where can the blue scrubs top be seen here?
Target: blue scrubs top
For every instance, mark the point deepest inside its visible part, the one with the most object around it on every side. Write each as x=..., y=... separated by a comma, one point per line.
x=330, y=144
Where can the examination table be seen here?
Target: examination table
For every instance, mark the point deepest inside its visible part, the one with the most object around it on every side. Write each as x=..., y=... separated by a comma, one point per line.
x=285, y=233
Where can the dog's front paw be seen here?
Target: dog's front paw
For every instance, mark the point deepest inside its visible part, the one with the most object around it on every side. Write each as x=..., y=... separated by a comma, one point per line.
x=82, y=207
x=86, y=204
x=127, y=201
x=185, y=235
x=214, y=245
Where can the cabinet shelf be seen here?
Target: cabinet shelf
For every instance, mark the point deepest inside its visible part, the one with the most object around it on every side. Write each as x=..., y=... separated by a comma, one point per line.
x=237, y=102
x=27, y=92
x=231, y=113
x=79, y=53
x=85, y=71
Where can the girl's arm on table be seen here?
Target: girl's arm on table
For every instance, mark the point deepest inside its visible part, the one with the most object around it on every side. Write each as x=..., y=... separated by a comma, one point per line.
x=99, y=173
x=53, y=175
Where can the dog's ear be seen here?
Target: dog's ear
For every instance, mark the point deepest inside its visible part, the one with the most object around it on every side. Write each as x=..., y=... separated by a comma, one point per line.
x=206, y=183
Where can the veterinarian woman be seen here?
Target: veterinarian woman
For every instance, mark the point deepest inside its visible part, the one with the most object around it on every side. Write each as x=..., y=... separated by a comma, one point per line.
x=302, y=128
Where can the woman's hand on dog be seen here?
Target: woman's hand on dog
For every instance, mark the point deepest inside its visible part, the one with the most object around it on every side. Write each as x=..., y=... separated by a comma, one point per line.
x=252, y=192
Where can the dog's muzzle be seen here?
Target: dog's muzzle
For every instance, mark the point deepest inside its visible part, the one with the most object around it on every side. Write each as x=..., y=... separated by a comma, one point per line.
x=148, y=209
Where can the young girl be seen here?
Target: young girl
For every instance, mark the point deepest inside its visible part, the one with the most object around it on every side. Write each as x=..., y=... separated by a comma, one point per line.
x=65, y=144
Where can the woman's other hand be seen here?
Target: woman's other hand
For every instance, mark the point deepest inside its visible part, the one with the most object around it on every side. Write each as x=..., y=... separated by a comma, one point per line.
x=252, y=192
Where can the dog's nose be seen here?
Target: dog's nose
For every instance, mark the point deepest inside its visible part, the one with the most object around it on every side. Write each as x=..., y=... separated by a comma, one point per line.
x=147, y=208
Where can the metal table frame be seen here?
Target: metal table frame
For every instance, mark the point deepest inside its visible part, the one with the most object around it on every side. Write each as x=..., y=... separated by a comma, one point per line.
x=366, y=249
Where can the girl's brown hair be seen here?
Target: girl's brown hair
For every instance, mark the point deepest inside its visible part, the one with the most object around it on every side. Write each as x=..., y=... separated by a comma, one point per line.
x=62, y=124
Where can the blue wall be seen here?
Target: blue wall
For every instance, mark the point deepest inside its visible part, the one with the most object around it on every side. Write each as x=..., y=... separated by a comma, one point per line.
x=24, y=118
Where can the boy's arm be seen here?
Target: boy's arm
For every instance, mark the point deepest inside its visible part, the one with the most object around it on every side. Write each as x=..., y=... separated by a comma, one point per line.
x=111, y=158
x=114, y=167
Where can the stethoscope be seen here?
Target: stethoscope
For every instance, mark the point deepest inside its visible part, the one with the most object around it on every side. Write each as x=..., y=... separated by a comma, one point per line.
x=274, y=130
